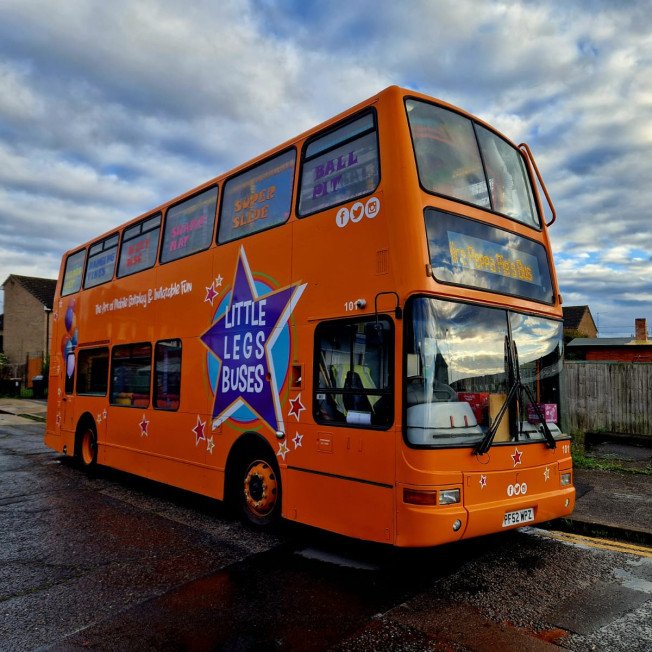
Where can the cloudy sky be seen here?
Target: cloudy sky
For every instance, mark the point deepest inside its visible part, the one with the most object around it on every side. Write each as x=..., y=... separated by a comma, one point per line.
x=110, y=108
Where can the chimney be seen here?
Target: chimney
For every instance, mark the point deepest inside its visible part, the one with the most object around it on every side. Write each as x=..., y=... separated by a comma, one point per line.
x=640, y=330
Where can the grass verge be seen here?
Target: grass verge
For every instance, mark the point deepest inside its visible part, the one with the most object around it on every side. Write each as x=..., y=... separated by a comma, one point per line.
x=582, y=460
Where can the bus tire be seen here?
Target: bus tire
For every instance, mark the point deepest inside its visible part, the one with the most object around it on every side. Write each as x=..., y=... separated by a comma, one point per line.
x=87, y=444
x=258, y=490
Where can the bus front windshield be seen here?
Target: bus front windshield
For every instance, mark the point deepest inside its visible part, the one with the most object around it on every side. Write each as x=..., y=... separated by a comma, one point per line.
x=459, y=158
x=463, y=361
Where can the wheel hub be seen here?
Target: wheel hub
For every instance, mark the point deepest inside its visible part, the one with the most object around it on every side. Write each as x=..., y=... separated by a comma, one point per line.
x=260, y=488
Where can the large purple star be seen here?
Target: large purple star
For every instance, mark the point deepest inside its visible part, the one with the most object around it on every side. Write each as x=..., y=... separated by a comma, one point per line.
x=242, y=340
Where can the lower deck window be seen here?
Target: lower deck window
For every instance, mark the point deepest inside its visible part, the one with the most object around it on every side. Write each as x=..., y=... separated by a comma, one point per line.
x=167, y=365
x=131, y=371
x=353, y=373
x=93, y=371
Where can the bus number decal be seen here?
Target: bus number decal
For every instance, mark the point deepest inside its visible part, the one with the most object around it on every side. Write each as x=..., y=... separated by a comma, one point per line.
x=359, y=210
x=242, y=339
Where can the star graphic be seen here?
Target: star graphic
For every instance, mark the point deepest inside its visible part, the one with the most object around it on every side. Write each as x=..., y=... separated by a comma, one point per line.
x=483, y=481
x=210, y=294
x=283, y=450
x=144, y=424
x=99, y=418
x=210, y=445
x=218, y=281
x=242, y=339
x=297, y=441
x=546, y=474
x=516, y=456
x=296, y=407
x=199, y=430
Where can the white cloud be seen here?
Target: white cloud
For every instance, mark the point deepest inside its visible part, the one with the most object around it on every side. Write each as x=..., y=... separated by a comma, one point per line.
x=107, y=109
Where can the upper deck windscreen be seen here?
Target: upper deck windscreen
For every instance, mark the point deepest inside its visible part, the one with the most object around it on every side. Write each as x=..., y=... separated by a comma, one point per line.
x=461, y=159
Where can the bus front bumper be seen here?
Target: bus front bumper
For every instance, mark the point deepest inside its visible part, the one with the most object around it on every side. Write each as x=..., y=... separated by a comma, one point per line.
x=424, y=526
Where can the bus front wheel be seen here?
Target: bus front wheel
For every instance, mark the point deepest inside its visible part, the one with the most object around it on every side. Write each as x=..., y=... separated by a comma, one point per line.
x=260, y=491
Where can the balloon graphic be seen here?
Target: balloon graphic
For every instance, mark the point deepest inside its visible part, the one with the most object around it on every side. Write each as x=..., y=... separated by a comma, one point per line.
x=64, y=343
x=70, y=316
x=70, y=366
x=70, y=339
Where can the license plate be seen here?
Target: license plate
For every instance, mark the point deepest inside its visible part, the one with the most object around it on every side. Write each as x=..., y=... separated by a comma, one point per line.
x=518, y=517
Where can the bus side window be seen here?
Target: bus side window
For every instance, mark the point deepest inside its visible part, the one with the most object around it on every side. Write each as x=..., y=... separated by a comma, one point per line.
x=139, y=246
x=340, y=165
x=92, y=371
x=167, y=383
x=70, y=374
x=258, y=198
x=353, y=376
x=131, y=370
x=100, y=265
x=189, y=226
x=72, y=276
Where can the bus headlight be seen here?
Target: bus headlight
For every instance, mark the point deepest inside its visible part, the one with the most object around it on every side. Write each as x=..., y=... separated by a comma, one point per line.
x=565, y=479
x=449, y=496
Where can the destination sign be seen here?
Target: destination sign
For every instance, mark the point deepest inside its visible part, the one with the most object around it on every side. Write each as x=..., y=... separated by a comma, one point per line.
x=473, y=254
x=485, y=256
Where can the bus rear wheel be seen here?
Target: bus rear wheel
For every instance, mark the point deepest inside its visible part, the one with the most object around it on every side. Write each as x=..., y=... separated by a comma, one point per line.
x=260, y=492
x=87, y=448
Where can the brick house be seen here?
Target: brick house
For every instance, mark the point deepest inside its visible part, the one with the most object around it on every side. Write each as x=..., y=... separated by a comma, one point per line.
x=578, y=322
x=26, y=322
x=613, y=349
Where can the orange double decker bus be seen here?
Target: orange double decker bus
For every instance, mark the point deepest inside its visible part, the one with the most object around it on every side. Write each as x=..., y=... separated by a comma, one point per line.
x=359, y=330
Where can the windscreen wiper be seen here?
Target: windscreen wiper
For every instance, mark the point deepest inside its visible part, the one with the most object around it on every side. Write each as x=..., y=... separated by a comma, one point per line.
x=542, y=419
x=516, y=388
x=537, y=408
x=487, y=440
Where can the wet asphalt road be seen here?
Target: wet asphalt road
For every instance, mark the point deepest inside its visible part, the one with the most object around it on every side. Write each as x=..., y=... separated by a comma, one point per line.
x=114, y=562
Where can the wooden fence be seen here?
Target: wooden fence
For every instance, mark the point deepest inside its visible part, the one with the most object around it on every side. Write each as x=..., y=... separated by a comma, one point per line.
x=608, y=397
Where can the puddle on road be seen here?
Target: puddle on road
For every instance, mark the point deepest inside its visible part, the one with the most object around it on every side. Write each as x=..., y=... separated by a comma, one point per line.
x=336, y=559
x=275, y=600
x=631, y=578
x=287, y=598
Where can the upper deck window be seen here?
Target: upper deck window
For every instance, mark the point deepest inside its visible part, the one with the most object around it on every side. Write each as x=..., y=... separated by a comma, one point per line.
x=257, y=199
x=189, y=226
x=340, y=165
x=460, y=159
x=101, y=261
x=72, y=276
x=139, y=246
